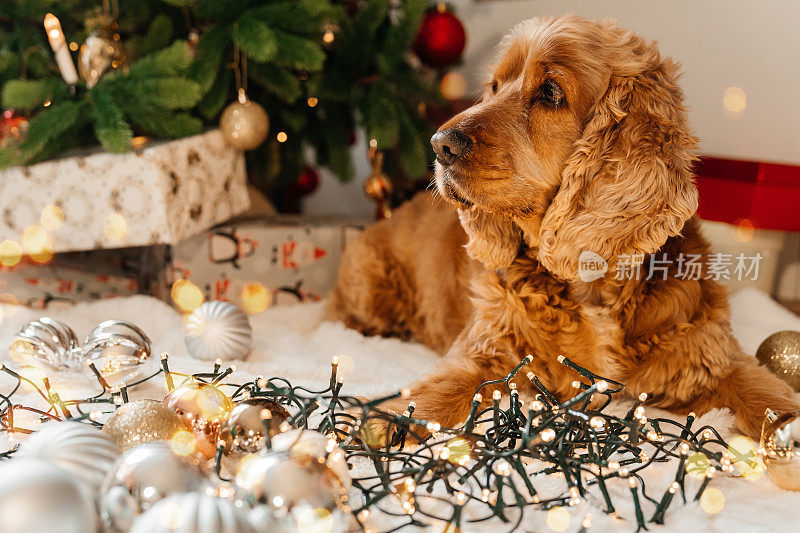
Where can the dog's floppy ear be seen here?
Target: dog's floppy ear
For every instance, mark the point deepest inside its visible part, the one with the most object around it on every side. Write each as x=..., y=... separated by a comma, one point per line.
x=493, y=240
x=628, y=185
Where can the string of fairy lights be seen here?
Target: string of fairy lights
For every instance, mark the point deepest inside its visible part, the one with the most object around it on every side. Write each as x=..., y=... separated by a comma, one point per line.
x=491, y=461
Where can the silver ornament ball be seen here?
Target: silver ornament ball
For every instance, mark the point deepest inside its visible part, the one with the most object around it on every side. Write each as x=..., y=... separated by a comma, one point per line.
x=218, y=330
x=38, y=497
x=306, y=445
x=48, y=341
x=193, y=513
x=80, y=449
x=140, y=478
x=120, y=351
x=245, y=428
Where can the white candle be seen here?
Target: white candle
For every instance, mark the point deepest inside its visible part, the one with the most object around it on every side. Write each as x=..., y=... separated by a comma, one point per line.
x=59, y=45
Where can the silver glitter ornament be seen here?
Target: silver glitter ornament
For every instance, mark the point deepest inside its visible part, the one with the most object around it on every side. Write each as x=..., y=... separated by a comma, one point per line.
x=140, y=478
x=100, y=53
x=193, y=513
x=48, y=341
x=38, y=497
x=142, y=421
x=245, y=428
x=218, y=330
x=119, y=350
x=80, y=449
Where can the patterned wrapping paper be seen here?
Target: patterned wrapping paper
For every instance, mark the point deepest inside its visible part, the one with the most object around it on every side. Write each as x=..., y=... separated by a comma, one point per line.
x=165, y=193
x=74, y=277
x=295, y=258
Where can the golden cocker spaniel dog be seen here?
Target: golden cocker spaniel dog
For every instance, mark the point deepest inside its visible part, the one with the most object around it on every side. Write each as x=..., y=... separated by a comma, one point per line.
x=580, y=144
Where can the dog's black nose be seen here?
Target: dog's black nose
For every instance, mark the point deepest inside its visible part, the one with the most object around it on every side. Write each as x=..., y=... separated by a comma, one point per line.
x=450, y=146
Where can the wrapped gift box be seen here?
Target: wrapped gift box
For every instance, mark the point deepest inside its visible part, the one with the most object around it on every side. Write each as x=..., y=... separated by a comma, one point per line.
x=75, y=277
x=161, y=194
x=296, y=259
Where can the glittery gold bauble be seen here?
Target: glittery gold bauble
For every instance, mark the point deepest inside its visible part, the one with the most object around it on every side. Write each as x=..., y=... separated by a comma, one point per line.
x=244, y=123
x=780, y=440
x=202, y=408
x=780, y=352
x=142, y=421
x=245, y=428
x=101, y=51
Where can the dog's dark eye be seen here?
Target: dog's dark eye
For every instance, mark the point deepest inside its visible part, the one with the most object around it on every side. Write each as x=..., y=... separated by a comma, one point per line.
x=494, y=87
x=551, y=94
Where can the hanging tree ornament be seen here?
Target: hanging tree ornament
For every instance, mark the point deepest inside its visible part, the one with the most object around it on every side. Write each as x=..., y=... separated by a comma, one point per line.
x=218, y=330
x=120, y=351
x=378, y=187
x=102, y=51
x=306, y=445
x=142, y=421
x=244, y=123
x=193, y=513
x=142, y=477
x=36, y=497
x=441, y=38
x=80, y=449
x=203, y=408
x=780, y=353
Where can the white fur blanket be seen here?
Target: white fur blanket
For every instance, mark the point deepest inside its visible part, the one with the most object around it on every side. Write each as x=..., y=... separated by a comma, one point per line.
x=294, y=342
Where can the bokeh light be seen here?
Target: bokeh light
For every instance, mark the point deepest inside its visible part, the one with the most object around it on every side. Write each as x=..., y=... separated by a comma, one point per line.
x=453, y=85
x=312, y=101
x=183, y=443
x=743, y=230
x=745, y=457
x=459, y=450
x=255, y=298
x=314, y=520
x=697, y=465
x=115, y=228
x=186, y=295
x=52, y=218
x=37, y=244
x=712, y=501
x=281, y=136
x=10, y=253
x=558, y=519
x=734, y=101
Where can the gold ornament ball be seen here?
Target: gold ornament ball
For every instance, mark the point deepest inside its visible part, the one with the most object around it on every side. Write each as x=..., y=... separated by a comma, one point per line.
x=142, y=421
x=244, y=124
x=203, y=408
x=378, y=186
x=780, y=353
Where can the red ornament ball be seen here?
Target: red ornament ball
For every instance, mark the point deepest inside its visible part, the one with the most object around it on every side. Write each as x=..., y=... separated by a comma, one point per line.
x=441, y=39
x=307, y=182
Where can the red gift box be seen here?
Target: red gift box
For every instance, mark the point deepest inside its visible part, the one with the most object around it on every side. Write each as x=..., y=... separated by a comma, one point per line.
x=766, y=194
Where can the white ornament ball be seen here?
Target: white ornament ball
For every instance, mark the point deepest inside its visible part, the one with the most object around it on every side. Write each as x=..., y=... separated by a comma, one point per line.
x=218, y=330
x=80, y=449
x=38, y=497
x=193, y=513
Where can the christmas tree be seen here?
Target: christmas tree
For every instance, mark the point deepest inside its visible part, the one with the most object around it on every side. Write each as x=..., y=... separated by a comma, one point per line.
x=168, y=68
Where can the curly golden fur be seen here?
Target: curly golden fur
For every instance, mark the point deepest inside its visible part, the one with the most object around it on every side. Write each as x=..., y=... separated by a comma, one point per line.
x=580, y=142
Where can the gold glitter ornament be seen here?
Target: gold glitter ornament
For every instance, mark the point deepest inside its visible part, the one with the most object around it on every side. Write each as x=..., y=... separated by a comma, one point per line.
x=780, y=353
x=142, y=421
